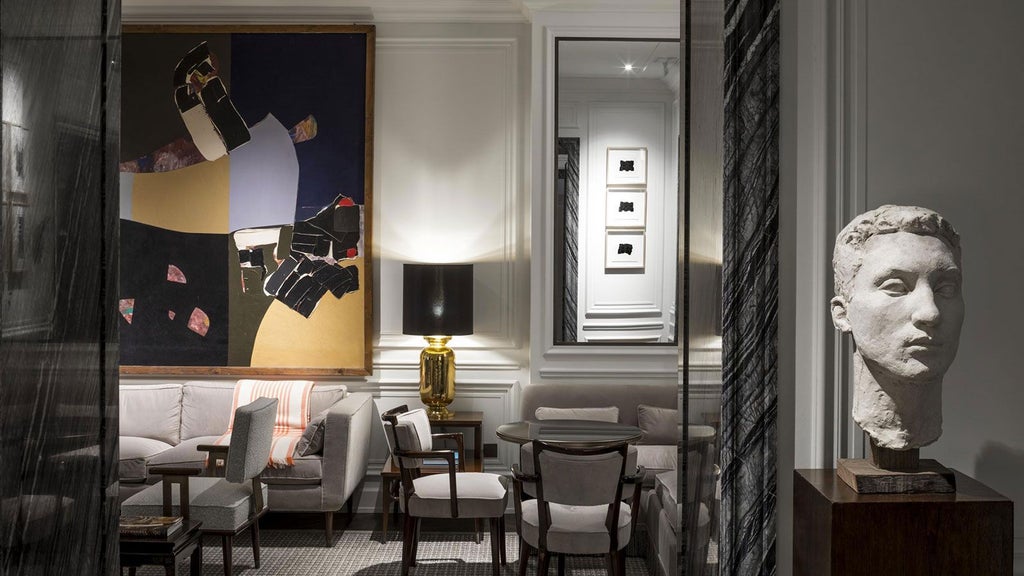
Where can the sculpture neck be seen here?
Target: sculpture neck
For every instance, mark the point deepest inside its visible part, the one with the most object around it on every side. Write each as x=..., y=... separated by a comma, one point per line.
x=896, y=414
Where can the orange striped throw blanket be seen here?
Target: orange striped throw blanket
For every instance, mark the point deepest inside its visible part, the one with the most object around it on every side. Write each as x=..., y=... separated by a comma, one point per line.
x=292, y=413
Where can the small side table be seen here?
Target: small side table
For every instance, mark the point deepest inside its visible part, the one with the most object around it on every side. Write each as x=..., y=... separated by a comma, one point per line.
x=165, y=551
x=390, y=475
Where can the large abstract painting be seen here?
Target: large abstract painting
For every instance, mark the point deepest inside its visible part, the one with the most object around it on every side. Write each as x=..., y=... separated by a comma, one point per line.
x=246, y=158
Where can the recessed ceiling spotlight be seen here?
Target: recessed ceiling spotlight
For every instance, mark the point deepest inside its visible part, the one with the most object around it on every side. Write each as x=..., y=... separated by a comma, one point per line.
x=627, y=67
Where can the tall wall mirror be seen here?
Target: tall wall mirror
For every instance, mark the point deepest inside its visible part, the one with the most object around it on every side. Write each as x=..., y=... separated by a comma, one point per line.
x=616, y=205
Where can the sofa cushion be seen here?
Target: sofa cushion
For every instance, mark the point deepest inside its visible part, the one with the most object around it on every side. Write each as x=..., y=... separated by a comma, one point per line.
x=655, y=460
x=604, y=414
x=150, y=411
x=659, y=425
x=312, y=440
x=134, y=455
x=306, y=470
x=206, y=408
x=666, y=488
x=324, y=396
x=184, y=454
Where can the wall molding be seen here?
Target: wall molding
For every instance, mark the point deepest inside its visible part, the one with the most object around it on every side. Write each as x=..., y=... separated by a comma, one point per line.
x=338, y=11
x=506, y=336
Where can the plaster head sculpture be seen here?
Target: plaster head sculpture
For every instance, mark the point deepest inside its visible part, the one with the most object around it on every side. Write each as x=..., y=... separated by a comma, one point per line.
x=898, y=292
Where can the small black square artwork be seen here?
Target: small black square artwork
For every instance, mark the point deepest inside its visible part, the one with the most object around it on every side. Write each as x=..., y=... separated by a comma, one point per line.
x=626, y=249
x=626, y=165
x=625, y=206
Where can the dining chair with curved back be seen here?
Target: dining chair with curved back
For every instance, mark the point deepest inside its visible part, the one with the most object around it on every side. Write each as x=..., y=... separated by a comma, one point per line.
x=456, y=494
x=578, y=509
x=225, y=506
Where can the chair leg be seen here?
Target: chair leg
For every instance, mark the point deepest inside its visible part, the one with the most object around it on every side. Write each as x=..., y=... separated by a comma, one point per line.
x=416, y=540
x=255, y=532
x=524, y=556
x=492, y=524
x=350, y=506
x=225, y=545
x=501, y=539
x=329, y=528
x=621, y=564
x=408, y=540
x=542, y=562
x=561, y=565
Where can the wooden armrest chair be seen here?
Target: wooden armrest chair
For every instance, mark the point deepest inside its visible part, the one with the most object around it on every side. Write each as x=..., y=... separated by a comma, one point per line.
x=226, y=506
x=578, y=506
x=457, y=494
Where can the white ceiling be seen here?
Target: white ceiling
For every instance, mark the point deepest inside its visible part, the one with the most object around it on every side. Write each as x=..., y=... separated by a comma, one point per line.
x=607, y=58
x=377, y=10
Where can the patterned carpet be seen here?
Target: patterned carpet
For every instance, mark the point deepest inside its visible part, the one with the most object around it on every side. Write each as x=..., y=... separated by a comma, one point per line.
x=360, y=553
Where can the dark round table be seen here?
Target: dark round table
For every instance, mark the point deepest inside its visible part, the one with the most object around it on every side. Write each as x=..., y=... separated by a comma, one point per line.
x=569, y=433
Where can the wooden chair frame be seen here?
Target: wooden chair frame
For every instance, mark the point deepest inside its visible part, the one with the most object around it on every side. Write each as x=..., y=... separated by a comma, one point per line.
x=615, y=560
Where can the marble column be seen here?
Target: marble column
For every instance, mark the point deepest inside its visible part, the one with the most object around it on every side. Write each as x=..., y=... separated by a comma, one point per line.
x=58, y=280
x=750, y=323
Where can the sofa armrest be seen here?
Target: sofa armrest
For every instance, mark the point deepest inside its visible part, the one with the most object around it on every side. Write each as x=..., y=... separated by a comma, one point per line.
x=346, y=448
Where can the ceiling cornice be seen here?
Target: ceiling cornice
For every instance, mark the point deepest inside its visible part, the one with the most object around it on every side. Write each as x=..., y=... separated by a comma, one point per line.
x=597, y=6
x=321, y=11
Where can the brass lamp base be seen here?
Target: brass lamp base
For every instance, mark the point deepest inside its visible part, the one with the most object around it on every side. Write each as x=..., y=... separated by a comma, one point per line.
x=437, y=377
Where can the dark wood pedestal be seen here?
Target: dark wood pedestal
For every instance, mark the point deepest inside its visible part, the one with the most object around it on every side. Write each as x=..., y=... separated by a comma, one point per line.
x=839, y=532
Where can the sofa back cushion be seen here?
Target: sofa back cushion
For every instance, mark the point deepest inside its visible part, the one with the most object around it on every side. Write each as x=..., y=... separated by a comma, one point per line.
x=206, y=406
x=150, y=411
x=590, y=395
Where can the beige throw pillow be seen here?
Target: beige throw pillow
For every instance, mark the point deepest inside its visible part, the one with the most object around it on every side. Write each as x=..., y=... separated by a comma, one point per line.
x=606, y=414
x=659, y=425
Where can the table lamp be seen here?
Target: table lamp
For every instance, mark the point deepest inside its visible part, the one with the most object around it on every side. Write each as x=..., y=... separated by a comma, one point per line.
x=437, y=304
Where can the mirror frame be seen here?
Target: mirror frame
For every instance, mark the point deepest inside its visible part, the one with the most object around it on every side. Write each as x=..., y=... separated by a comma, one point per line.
x=599, y=362
x=551, y=146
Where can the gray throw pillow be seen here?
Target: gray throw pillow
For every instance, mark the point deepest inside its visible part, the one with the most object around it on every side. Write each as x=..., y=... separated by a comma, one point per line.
x=312, y=441
x=659, y=425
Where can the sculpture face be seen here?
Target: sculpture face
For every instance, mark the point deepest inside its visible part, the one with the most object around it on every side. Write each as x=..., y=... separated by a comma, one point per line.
x=905, y=307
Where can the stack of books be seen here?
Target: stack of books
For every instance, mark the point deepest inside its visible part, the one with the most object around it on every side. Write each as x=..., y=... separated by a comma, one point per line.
x=150, y=526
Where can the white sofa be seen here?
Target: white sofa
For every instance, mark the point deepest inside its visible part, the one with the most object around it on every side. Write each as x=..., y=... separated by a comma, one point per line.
x=161, y=425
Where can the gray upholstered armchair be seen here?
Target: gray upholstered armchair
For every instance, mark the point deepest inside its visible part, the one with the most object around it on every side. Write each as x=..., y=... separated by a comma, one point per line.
x=226, y=506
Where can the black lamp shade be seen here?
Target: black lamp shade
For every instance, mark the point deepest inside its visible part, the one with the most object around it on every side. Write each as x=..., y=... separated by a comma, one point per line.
x=437, y=299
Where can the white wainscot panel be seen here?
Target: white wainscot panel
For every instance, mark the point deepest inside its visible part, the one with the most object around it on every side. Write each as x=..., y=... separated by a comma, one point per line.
x=446, y=175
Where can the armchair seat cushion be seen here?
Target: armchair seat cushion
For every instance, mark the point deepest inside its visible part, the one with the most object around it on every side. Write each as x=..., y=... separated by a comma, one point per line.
x=136, y=452
x=217, y=503
x=574, y=529
x=481, y=495
x=306, y=470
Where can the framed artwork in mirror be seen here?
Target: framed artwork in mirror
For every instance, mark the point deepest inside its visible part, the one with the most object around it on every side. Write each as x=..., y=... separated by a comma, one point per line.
x=627, y=167
x=626, y=208
x=624, y=250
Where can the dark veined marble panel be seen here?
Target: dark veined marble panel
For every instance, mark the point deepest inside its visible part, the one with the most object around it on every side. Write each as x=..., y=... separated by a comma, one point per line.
x=568, y=213
x=58, y=284
x=750, y=277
